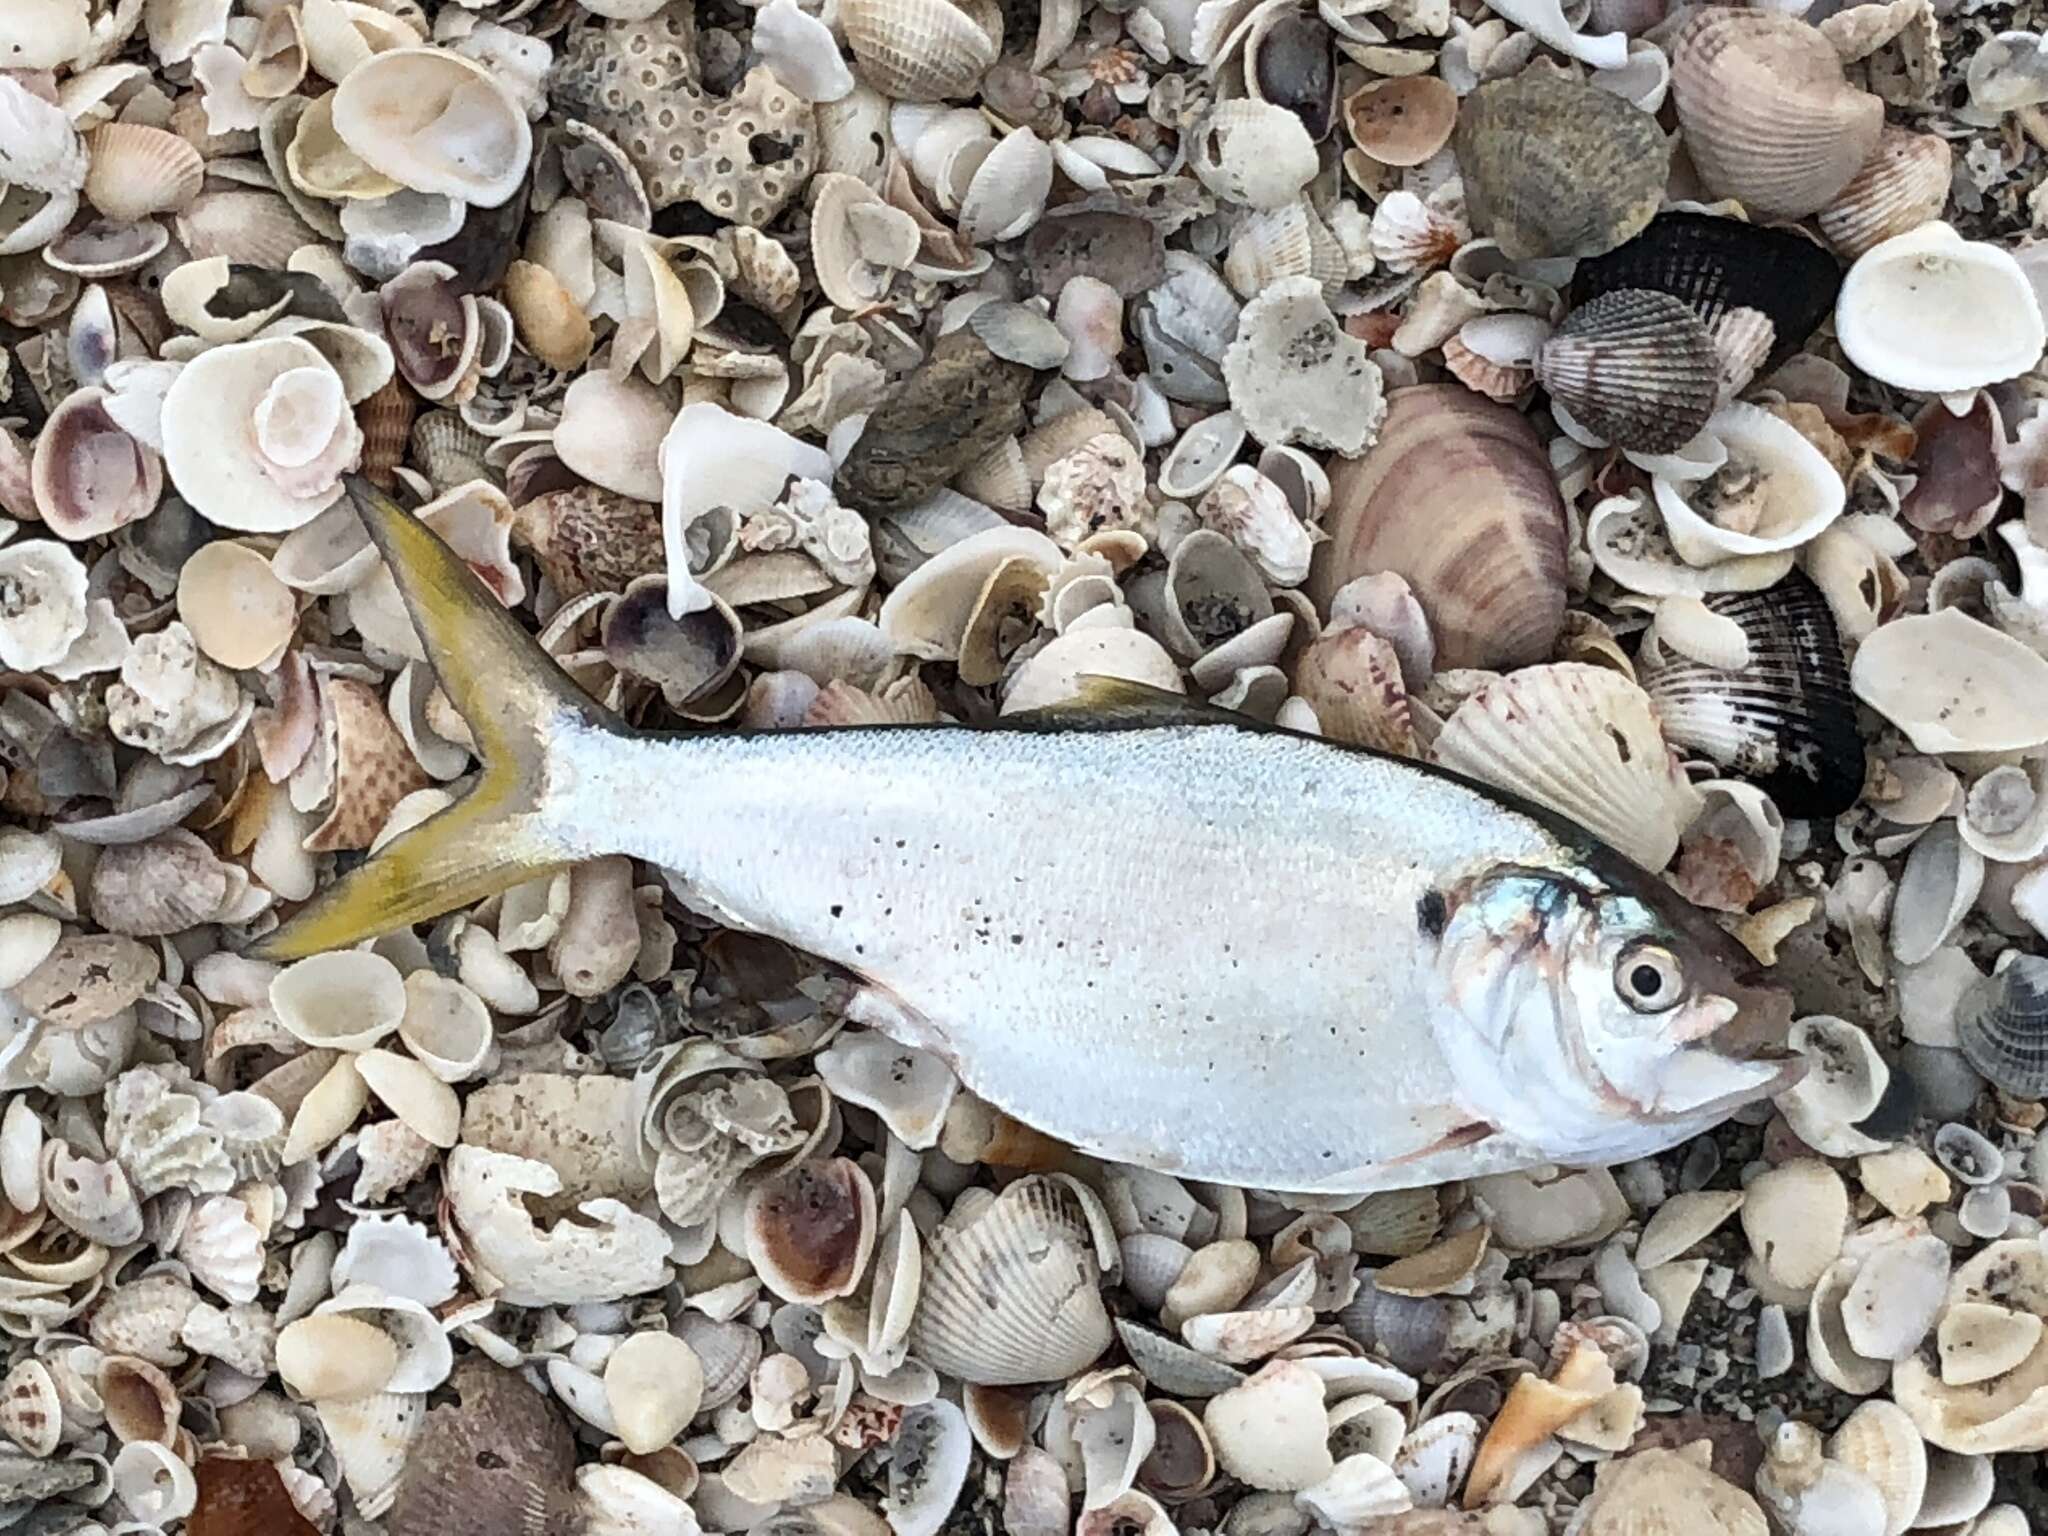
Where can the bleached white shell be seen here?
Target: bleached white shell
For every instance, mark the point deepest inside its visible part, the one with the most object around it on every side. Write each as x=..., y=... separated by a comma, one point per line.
x=711, y=462
x=1879, y=1441
x=335, y=1356
x=1978, y=1341
x=347, y=1000
x=654, y=1384
x=1584, y=741
x=1892, y=1303
x=1253, y=152
x=1953, y=684
x=436, y=122
x=1270, y=1432
x=1846, y=1077
x=1793, y=1216
x=423, y=1355
x=1057, y=674
x=607, y=1252
x=372, y=1437
x=223, y=1248
x=1043, y=1319
x=928, y=1468
x=46, y=611
x=154, y=1483
x=926, y=616
x=1800, y=492
x=396, y=1256
x=445, y=1025
x=1931, y=311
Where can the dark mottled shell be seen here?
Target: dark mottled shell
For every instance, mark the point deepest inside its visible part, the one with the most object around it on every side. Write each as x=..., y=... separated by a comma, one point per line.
x=1718, y=265
x=2002, y=1026
x=589, y=539
x=948, y=412
x=1787, y=720
x=1555, y=167
x=497, y=1460
x=1635, y=366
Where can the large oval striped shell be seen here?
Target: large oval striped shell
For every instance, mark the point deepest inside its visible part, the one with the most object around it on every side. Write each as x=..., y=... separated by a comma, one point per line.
x=1766, y=113
x=1786, y=719
x=1635, y=366
x=1456, y=496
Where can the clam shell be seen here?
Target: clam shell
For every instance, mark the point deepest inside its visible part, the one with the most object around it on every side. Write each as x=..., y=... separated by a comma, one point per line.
x=2002, y=1027
x=1766, y=113
x=1012, y=1287
x=1456, y=496
x=138, y=171
x=435, y=121
x=1901, y=186
x=1724, y=267
x=372, y=1439
x=1584, y=741
x=1787, y=489
x=1403, y=121
x=922, y=50
x=239, y=613
x=1555, y=167
x=811, y=1230
x=1635, y=366
x=1953, y=684
x=1785, y=719
x=1879, y=1441
x=1659, y=1491
x=1258, y=1428
x=1931, y=311
x=31, y=1412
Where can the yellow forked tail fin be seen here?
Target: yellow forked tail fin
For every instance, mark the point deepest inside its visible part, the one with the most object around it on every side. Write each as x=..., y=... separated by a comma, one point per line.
x=515, y=700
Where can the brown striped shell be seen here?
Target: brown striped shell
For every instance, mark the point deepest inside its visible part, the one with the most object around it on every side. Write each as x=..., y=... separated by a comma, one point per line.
x=1765, y=111
x=1901, y=186
x=1456, y=496
x=1636, y=367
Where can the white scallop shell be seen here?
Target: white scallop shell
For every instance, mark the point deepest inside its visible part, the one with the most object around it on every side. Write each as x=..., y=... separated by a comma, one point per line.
x=223, y=1248
x=1584, y=741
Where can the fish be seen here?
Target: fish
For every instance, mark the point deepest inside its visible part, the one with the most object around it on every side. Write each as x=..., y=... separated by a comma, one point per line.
x=1175, y=939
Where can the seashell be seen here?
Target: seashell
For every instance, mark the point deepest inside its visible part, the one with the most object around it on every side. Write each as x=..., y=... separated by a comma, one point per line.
x=144, y=1318
x=348, y=1000
x=1496, y=354
x=1794, y=1216
x=140, y=1403
x=922, y=50
x=257, y=434
x=445, y=1026
x=1269, y=1430
x=1928, y=310
x=1555, y=167
x=653, y=1384
x=138, y=171
x=239, y=613
x=42, y=151
x=1403, y=121
x=811, y=1230
x=398, y=1257
x=1294, y=376
x=1043, y=1320
x=223, y=1249
x=1952, y=684
x=154, y=1483
x=1598, y=756
x=44, y=34
x=423, y=1355
x=373, y=1438
x=1360, y=1488
x=93, y=1199
x=1660, y=1490
x=1351, y=678
x=1879, y=1441
x=426, y=1104
x=1634, y=367
x=1978, y=1341
x=1903, y=185
x=1785, y=718
x=2001, y=1025
x=1410, y=234
x=436, y=122
x=1253, y=152
x=1494, y=591
x=1801, y=1489
x=88, y=475
x=609, y=1252
x=333, y=1356
x=1774, y=491
x=927, y=1467
x=31, y=1412
x=1289, y=241
x=1724, y=268
x=1765, y=112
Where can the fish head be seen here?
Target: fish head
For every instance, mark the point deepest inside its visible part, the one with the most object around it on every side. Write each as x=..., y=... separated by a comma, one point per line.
x=1589, y=1012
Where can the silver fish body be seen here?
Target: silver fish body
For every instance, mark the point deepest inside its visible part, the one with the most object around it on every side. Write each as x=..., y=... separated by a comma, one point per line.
x=1193, y=947
x=1237, y=954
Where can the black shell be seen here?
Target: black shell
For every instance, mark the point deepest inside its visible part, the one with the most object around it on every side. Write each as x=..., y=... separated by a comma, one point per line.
x=1787, y=721
x=2002, y=1026
x=1717, y=265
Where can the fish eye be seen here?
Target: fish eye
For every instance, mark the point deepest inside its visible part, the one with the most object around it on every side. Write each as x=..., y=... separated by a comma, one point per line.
x=1647, y=977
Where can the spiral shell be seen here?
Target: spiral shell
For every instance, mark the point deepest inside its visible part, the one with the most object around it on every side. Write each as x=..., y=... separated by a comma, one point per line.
x=1635, y=366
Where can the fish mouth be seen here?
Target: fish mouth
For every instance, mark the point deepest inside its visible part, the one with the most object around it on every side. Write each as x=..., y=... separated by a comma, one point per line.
x=1758, y=1030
